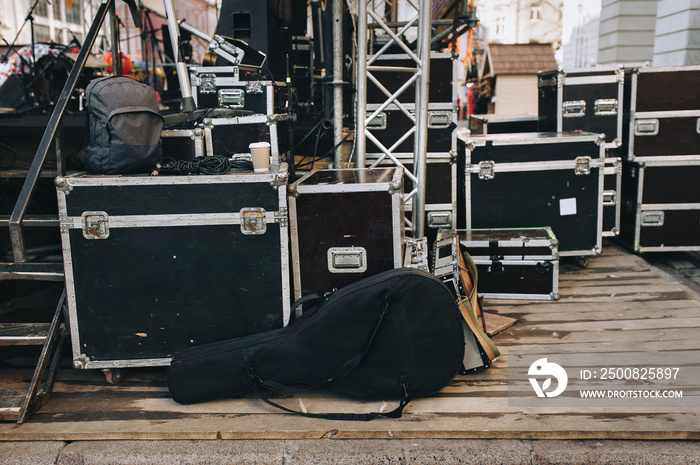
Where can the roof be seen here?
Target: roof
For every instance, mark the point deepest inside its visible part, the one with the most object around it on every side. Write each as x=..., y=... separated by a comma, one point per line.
x=518, y=59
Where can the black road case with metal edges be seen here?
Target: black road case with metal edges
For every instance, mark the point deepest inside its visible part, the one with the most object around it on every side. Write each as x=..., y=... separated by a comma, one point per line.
x=345, y=225
x=183, y=144
x=612, y=196
x=662, y=113
x=536, y=179
x=220, y=87
x=440, y=195
x=440, y=189
x=388, y=130
x=503, y=124
x=519, y=264
x=400, y=68
x=233, y=134
x=155, y=264
x=661, y=205
x=585, y=99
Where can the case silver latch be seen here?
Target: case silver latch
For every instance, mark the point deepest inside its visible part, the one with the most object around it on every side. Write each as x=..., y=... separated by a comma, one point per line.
x=254, y=87
x=646, y=127
x=609, y=198
x=487, y=169
x=605, y=107
x=253, y=221
x=378, y=123
x=441, y=219
x=232, y=98
x=652, y=218
x=95, y=225
x=347, y=260
x=574, y=109
x=207, y=83
x=583, y=165
x=439, y=119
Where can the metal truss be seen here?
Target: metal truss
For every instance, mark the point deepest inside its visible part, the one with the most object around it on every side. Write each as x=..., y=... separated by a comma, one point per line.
x=372, y=21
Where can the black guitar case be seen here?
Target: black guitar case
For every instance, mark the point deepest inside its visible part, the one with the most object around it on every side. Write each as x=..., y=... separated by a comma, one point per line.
x=395, y=335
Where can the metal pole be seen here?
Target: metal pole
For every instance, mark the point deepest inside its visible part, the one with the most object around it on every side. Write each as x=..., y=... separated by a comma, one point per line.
x=361, y=82
x=16, y=235
x=338, y=82
x=183, y=76
x=421, y=140
x=116, y=58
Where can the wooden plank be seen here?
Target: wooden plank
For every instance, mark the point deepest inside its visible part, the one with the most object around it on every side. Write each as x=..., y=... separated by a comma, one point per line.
x=496, y=323
x=11, y=404
x=616, y=302
x=573, y=306
x=23, y=334
x=609, y=315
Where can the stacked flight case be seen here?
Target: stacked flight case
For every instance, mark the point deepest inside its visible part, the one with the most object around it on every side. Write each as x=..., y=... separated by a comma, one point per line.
x=231, y=115
x=345, y=225
x=391, y=131
x=516, y=264
x=220, y=87
x=585, y=99
x=155, y=264
x=591, y=100
x=503, y=124
x=534, y=180
x=661, y=159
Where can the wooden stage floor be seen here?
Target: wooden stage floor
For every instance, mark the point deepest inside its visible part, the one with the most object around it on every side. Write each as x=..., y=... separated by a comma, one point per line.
x=618, y=301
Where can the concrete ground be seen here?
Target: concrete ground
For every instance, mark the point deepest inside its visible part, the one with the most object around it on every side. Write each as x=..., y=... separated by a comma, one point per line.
x=330, y=451
x=682, y=267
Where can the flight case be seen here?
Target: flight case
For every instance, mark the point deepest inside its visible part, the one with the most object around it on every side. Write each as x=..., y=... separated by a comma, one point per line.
x=155, y=264
x=662, y=113
x=586, y=99
x=661, y=205
x=502, y=124
x=345, y=225
x=233, y=134
x=392, y=71
x=183, y=144
x=519, y=264
x=535, y=179
x=220, y=87
x=612, y=196
x=391, y=125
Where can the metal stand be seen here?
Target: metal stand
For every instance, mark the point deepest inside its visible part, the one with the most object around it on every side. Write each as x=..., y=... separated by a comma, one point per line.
x=183, y=76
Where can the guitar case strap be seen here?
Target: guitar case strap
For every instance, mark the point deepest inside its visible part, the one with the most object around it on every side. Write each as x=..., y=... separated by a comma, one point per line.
x=345, y=369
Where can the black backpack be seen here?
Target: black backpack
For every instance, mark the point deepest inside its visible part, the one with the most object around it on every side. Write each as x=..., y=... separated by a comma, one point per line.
x=395, y=335
x=124, y=126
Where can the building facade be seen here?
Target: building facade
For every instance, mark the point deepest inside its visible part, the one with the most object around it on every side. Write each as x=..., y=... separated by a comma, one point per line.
x=660, y=32
x=62, y=21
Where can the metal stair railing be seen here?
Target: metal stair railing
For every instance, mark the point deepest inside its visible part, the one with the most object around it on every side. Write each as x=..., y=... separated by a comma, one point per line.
x=19, y=405
x=16, y=220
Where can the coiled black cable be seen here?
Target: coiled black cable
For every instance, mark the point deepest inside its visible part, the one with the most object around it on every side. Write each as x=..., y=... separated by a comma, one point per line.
x=214, y=164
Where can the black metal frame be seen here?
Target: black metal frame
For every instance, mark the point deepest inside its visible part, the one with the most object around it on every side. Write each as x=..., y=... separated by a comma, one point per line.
x=53, y=127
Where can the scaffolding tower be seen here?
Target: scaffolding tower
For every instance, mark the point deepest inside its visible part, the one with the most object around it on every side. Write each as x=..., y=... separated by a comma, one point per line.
x=379, y=18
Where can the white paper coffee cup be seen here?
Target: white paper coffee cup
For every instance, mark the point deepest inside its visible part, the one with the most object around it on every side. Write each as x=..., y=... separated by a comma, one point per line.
x=260, y=153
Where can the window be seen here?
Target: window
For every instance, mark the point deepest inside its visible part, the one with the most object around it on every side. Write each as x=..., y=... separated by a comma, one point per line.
x=73, y=14
x=42, y=9
x=535, y=13
x=42, y=33
x=500, y=25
